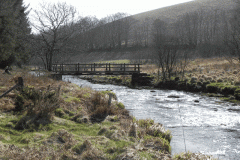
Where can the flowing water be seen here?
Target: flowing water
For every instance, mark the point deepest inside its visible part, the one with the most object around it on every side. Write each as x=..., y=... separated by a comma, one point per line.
x=206, y=125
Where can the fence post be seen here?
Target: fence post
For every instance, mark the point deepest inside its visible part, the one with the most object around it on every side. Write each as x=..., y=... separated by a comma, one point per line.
x=138, y=68
x=109, y=67
x=20, y=84
x=20, y=81
x=78, y=67
x=110, y=99
x=124, y=67
x=94, y=66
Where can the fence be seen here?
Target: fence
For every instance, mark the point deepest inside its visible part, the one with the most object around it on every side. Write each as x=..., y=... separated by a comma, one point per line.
x=18, y=85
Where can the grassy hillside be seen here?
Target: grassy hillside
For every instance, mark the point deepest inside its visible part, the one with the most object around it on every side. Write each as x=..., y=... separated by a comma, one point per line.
x=169, y=14
x=172, y=12
x=131, y=55
x=207, y=31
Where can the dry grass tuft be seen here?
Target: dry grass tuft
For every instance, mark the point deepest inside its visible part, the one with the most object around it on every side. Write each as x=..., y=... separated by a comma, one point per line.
x=99, y=108
x=157, y=144
x=62, y=136
x=193, y=156
x=88, y=151
x=37, y=153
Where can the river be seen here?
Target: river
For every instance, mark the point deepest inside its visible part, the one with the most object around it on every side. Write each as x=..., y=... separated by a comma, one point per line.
x=198, y=123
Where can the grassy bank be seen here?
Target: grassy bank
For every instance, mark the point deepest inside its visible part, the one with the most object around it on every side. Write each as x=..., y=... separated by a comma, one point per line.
x=51, y=119
x=214, y=77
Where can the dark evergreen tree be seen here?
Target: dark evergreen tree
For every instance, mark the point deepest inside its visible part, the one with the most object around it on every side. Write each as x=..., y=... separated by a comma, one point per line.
x=14, y=32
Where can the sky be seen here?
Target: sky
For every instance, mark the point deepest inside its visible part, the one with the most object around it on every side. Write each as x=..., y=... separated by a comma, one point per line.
x=103, y=8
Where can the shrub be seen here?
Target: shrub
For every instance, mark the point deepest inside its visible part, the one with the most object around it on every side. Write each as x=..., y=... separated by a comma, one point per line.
x=39, y=109
x=101, y=113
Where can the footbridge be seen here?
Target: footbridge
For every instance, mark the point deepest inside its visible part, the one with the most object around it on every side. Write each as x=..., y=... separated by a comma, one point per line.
x=96, y=69
x=100, y=69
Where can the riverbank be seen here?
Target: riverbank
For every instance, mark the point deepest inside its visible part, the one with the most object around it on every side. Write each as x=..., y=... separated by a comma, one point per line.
x=74, y=123
x=214, y=77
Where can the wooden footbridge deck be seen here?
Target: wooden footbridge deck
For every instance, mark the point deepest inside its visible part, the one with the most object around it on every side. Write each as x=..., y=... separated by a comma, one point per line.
x=96, y=69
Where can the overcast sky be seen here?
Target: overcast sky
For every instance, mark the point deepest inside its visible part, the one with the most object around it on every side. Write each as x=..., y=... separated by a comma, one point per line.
x=103, y=8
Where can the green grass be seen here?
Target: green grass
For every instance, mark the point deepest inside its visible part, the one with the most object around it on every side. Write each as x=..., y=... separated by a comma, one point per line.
x=230, y=99
x=109, y=92
x=120, y=105
x=146, y=155
x=116, y=61
x=25, y=137
x=68, y=98
x=222, y=85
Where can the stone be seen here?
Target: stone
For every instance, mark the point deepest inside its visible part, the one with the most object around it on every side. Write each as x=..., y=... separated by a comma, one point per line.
x=193, y=80
x=173, y=96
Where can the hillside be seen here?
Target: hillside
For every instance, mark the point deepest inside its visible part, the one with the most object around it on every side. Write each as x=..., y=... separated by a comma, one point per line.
x=173, y=12
x=200, y=23
x=132, y=55
x=169, y=14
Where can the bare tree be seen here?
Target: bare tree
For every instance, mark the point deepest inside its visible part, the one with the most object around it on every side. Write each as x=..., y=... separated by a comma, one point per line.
x=55, y=24
x=166, y=49
x=233, y=40
x=127, y=25
x=183, y=62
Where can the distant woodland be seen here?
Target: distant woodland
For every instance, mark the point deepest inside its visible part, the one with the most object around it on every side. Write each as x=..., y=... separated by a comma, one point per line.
x=207, y=28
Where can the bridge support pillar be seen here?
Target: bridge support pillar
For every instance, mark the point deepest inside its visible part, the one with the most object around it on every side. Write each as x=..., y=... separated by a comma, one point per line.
x=56, y=77
x=135, y=77
x=141, y=79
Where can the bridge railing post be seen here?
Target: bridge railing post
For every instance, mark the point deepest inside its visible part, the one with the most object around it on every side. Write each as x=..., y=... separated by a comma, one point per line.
x=106, y=67
x=124, y=69
x=138, y=68
x=94, y=66
x=109, y=67
x=78, y=67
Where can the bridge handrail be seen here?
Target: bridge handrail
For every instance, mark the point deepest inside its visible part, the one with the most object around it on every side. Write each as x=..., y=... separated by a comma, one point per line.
x=94, y=66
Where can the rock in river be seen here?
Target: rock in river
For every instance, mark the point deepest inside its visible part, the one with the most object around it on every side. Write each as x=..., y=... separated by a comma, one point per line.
x=173, y=96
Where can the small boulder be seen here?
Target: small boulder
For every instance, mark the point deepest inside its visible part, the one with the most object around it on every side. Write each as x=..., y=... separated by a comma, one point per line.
x=177, y=79
x=193, y=80
x=173, y=96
